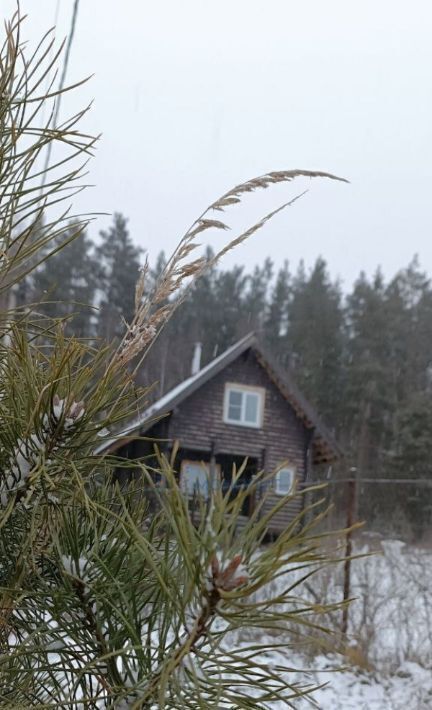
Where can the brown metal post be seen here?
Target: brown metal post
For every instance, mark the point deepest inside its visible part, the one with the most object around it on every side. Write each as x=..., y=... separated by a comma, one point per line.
x=351, y=504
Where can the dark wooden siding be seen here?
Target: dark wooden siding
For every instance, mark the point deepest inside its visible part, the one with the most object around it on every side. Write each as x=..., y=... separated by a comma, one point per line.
x=197, y=423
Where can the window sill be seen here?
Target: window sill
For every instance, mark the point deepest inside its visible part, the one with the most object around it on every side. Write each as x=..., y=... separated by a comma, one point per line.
x=248, y=425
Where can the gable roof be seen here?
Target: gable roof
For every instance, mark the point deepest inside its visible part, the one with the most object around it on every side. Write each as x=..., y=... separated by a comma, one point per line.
x=324, y=446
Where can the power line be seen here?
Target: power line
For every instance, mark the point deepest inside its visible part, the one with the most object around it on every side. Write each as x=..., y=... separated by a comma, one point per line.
x=427, y=481
x=66, y=58
x=62, y=81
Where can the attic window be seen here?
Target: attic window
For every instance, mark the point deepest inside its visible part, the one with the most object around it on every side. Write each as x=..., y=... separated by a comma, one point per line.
x=284, y=480
x=244, y=405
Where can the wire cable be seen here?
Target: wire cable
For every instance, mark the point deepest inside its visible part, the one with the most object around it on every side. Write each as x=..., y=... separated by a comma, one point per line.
x=62, y=81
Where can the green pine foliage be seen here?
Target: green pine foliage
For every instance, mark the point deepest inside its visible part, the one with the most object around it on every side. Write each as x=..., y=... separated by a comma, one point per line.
x=104, y=603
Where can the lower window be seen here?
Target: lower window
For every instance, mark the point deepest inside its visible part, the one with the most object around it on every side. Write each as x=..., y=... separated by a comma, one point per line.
x=195, y=478
x=284, y=480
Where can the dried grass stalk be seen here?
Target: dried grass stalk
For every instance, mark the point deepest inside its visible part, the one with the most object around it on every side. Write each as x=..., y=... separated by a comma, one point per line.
x=152, y=312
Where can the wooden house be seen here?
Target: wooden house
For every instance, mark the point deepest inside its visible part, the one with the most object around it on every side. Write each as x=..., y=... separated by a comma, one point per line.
x=239, y=405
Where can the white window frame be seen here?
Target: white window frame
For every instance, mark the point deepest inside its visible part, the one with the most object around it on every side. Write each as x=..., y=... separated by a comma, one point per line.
x=244, y=389
x=205, y=467
x=277, y=488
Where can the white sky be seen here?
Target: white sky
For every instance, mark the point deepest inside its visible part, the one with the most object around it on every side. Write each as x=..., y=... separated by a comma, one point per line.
x=194, y=96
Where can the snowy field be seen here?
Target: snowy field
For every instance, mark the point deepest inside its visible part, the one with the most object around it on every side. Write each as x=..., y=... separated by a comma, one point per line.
x=388, y=663
x=390, y=658
x=407, y=688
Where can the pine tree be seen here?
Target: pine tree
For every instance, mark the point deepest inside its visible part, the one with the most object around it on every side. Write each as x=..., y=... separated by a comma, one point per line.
x=214, y=312
x=387, y=360
x=169, y=361
x=157, y=271
x=367, y=395
x=120, y=262
x=408, y=299
x=411, y=459
x=314, y=338
x=255, y=299
x=65, y=285
x=276, y=318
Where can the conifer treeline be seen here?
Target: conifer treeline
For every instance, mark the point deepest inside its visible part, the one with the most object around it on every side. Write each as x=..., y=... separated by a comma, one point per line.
x=364, y=359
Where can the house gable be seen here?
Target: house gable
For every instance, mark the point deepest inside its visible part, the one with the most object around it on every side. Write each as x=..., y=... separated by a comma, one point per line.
x=198, y=421
x=324, y=448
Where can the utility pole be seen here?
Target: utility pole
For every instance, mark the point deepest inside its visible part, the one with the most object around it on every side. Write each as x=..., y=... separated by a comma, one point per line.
x=351, y=505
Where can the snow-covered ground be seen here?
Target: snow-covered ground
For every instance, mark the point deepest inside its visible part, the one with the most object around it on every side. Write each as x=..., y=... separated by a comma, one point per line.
x=389, y=666
x=408, y=688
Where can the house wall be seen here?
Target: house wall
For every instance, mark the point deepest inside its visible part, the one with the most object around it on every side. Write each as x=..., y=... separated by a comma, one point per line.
x=197, y=423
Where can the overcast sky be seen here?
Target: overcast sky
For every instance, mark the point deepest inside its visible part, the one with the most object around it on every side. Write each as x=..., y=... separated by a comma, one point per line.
x=194, y=96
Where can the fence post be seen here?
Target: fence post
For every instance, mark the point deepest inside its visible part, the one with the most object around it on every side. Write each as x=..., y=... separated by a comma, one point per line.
x=351, y=504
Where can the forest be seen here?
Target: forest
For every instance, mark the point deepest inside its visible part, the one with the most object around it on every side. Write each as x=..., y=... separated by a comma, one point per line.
x=363, y=357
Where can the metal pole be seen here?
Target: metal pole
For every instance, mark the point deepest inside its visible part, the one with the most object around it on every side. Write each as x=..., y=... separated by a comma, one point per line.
x=351, y=503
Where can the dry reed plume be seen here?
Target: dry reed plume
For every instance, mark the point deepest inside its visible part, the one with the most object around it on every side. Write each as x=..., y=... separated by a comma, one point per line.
x=152, y=311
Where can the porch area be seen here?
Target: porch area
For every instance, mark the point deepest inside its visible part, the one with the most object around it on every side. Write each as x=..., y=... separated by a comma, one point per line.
x=201, y=472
